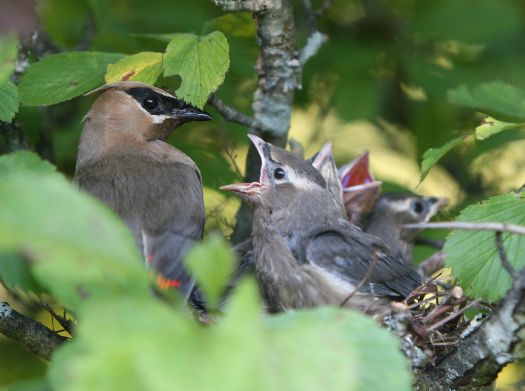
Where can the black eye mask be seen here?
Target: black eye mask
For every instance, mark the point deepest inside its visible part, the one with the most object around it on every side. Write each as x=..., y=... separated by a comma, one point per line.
x=155, y=103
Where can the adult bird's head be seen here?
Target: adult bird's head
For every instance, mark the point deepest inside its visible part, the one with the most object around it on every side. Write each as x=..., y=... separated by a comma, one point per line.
x=288, y=186
x=360, y=189
x=134, y=112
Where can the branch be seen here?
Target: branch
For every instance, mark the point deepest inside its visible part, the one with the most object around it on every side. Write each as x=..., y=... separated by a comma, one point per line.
x=247, y=5
x=230, y=114
x=485, y=226
x=279, y=75
x=29, y=333
x=315, y=41
x=480, y=356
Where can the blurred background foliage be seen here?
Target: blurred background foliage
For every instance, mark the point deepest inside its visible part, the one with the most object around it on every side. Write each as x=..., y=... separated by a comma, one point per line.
x=380, y=84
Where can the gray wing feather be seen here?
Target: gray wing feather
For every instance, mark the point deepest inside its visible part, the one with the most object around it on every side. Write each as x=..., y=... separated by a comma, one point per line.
x=348, y=252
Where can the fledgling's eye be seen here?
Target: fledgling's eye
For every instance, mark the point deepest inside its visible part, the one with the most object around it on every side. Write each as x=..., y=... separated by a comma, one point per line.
x=150, y=102
x=417, y=207
x=279, y=173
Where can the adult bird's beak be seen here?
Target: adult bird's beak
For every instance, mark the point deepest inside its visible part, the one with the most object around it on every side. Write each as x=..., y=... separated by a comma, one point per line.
x=252, y=189
x=190, y=113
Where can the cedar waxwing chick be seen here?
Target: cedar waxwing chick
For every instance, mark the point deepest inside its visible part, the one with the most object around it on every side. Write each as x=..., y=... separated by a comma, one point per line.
x=393, y=210
x=360, y=189
x=306, y=253
x=124, y=161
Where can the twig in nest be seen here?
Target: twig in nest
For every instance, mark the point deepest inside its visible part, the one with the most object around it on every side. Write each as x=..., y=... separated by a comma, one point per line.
x=361, y=283
x=451, y=316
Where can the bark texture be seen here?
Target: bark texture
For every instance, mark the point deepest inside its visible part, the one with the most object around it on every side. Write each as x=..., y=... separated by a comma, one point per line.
x=30, y=334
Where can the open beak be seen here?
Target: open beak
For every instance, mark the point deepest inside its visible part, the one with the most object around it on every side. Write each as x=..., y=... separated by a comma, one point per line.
x=190, y=113
x=356, y=172
x=252, y=189
x=322, y=156
x=245, y=189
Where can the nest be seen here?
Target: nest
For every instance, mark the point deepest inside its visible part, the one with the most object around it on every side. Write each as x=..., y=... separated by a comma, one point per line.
x=431, y=320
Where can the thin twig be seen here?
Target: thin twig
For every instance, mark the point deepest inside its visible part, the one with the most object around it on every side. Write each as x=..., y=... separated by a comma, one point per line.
x=230, y=114
x=361, y=283
x=502, y=256
x=313, y=44
x=65, y=323
x=451, y=316
x=485, y=226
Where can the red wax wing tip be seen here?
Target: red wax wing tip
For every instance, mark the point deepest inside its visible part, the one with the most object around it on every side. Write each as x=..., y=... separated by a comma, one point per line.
x=164, y=283
x=359, y=173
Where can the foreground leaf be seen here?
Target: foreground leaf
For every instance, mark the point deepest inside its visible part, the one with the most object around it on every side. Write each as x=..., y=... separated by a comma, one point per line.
x=473, y=255
x=143, y=66
x=15, y=162
x=15, y=273
x=433, y=155
x=491, y=126
x=146, y=346
x=60, y=77
x=8, y=52
x=212, y=263
x=77, y=248
x=9, y=101
x=201, y=62
x=495, y=97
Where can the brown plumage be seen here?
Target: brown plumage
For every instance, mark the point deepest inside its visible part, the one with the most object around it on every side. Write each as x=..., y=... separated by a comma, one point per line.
x=124, y=161
x=306, y=253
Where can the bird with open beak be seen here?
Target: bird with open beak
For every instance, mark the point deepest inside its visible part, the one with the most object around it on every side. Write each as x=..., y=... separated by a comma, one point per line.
x=125, y=161
x=360, y=189
x=384, y=215
x=306, y=253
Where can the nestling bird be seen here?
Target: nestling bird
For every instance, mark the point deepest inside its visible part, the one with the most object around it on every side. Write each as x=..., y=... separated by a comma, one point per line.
x=384, y=216
x=393, y=210
x=360, y=189
x=306, y=253
x=124, y=160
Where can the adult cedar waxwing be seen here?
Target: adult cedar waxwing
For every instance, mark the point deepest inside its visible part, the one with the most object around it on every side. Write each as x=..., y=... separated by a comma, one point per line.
x=360, y=189
x=316, y=256
x=393, y=210
x=124, y=160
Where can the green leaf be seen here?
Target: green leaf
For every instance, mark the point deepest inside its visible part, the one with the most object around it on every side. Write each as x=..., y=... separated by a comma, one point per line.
x=15, y=162
x=496, y=97
x=211, y=262
x=473, y=255
x=15, y=273
x=433, y=155
x=9, y=99
x=144, y=345
x=201, y=62
x=8, y=53
x=76, y=246
x=491, y=126
x=143, y=66
x=60, y=77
